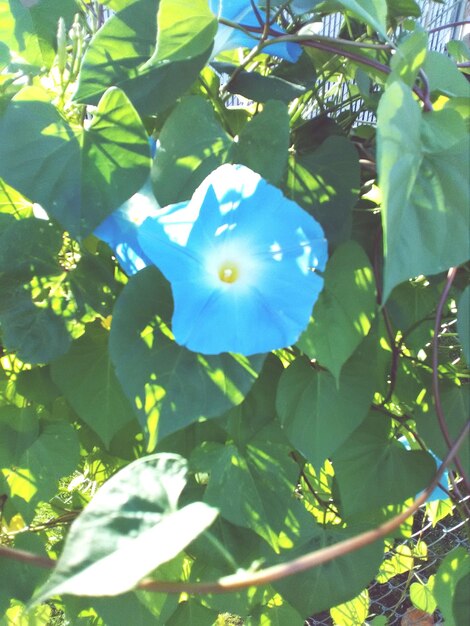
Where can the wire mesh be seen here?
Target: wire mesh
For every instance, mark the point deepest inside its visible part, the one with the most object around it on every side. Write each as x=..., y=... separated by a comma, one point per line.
x=391, y=599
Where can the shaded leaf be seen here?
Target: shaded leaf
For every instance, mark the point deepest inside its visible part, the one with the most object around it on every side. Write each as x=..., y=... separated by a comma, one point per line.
x=454, y=568
x=263, y=143
x=463, y=322
x=344, y=311
x=86, y=377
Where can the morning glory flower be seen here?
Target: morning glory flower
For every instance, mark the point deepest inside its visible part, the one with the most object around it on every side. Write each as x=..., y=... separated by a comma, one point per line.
x=241, y=12
x=119, y=230
x=243, y=262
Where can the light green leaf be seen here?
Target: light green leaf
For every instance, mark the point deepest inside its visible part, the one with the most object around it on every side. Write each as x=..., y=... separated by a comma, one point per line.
x=317, y=413
x=192, y=144
x=128, y=39
x=444, y=76
x=86, y=377
x=18, y=615
x=421, y=595
x=409, y=57
x=326, y=183
x=107, y=548
x=79, y=176
x=185, y=30
x=263, y=143
x=402, y=560
x=372, y=12
x=344, y=312
x=353, y=612
x=463, y=322
x=372, y=469
x=168, y=385
x=454, y=568
x=30, y=27
x=423, y=165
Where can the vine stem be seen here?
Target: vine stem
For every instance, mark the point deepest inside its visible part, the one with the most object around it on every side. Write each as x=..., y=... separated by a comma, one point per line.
x=269, y=575
x=435, y=373
x=450, y=25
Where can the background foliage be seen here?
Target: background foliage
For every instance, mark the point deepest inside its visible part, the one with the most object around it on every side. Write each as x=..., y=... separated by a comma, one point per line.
x=128, y=457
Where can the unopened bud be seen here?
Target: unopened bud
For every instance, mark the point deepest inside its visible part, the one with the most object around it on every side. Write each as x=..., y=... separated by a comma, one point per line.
x=61, y=45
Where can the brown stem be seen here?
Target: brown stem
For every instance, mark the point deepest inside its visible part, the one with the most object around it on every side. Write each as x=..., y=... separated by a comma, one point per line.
x=435, y=374
x=283, y=570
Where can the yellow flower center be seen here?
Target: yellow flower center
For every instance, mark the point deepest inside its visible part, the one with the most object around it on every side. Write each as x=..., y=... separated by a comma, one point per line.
x=228, y=272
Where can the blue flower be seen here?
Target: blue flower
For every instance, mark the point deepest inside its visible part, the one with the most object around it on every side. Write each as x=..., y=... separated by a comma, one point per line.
x=241, y=12
x=242, y=261
x=119, y=230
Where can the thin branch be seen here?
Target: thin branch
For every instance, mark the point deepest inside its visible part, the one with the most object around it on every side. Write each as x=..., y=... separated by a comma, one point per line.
x=435, y=373
x=276, y=572
x=450, y=25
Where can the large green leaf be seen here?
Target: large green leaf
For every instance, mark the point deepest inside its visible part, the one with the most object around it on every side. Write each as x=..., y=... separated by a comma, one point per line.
x=423, y=165
x=120, y=54
x=444, y=76
x=409, y=57
x=318, y=414
x=30, y=27
x=456, y=409
x=185, y=30
x=86, y=377
x=344, y=312
x=263, y=143
x=79, y=176
x=334, y=582
x=372, y=469
x=168, y=385
x=131, y=526
x=191, y=144
x=461, y=601
x=326, y=182
x=30, y=316
x=260, y=478
x=454, y=568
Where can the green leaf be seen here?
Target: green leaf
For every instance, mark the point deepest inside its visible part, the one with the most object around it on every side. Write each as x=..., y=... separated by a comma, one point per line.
x=403, y=8
x=409, y=57
x=192, y=144
x=168, y=385
x=193, y=613
x=454, y=568
x=444, y=76
x=19, y=580
x=107, y=548
x=317, y=413
x=353, y=612
x=335, y=582
x=86, y=377
x=343, y=314
x=78, y=176
x=463, y=322
x=123, y=609
x=461, y=601
x=423, y=161
x=30, y=316
x=29, y=27
x=263, y=143
x=119, y=55
x=372, y=469
x=455, y=403
x=185, y=30
x=401, y=560
x=421, y=595
x=36, y=385
x=372, y=12
x=260, y=478
x=326, y=182
x=254, y=86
